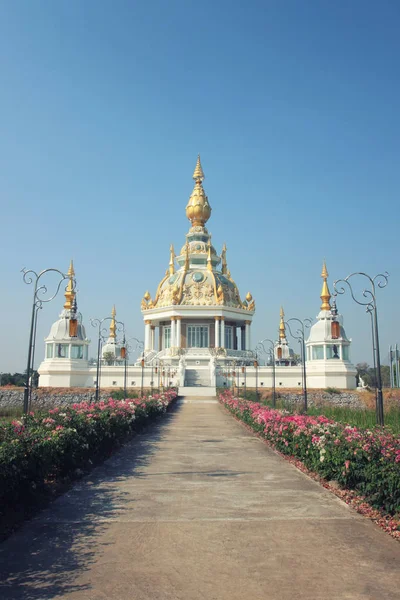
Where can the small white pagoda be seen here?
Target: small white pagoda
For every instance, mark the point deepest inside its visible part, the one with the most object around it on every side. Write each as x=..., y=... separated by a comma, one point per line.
x=197, y=309
x=66, y=354
x=284, y=355
x=328, y=347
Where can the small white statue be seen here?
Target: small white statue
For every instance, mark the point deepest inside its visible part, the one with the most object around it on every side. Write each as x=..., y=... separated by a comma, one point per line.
x=361, y=382
x=181, y=371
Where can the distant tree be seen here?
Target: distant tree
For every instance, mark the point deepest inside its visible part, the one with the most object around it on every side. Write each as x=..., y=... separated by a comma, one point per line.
x=18, y=379
x=109, y=358
x=369, y=374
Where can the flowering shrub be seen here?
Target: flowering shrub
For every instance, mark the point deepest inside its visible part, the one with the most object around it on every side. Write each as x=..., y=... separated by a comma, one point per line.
x=363, y=460
x=46, y=447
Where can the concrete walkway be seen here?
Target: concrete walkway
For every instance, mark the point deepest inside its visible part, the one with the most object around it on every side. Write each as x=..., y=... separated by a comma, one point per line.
x=197, y=508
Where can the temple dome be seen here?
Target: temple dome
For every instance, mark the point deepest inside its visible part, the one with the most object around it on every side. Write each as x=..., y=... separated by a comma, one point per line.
x=59, y=331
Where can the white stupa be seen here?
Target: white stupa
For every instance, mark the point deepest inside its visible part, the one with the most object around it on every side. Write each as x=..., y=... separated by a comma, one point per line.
x=284, y=355
x=66, y=353
x=328, y=347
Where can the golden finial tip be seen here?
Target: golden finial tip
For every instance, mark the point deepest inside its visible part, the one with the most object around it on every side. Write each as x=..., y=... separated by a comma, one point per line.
x=113, y=311
x=324, y=273
x=249, y=297
x=198, y=174
x=71, y=271
x=282, y=312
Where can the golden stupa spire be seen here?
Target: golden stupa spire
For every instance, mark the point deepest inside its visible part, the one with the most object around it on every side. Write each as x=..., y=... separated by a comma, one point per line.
x=198, y=210
x=224, y=266
x=198, y=174
x=112, y=324
x=187, y=257
x=209, y=262
x=171, y=260
x=325, y=293
x=69, y=291
x=282, y=332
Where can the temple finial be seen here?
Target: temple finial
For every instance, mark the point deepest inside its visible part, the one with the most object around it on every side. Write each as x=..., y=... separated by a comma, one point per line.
x=187, y=257
x=198, y=174
x=112, y=324
x=171, y=260
x=69, y=290
x=282, y=331
x=224, y=266
x=209, y=262
x=198, y=210
x=325, y=293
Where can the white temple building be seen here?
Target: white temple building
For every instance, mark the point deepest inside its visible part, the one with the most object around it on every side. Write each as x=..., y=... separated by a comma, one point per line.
x=197, y=331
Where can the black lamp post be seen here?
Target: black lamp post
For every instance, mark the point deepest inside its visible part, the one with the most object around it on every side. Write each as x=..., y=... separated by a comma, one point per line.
x=29, y=277
x=369, y=295
x=300, y=336
x=102, y=334
x=261, y=347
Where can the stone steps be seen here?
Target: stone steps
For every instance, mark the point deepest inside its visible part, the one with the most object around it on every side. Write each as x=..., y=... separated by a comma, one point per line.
x=206, y=391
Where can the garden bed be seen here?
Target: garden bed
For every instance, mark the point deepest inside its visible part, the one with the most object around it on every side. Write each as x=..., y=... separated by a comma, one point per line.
x=41, y=453
x=361, y=465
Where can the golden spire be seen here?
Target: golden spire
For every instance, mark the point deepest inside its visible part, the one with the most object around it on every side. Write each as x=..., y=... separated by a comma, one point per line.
x=282, y=332
x=198, y=210
x=69, y=291
x=187, y=257
x=112, y=324
x=198, y=174
x=325, y=293
x=171, y=260
x=224, y=267
x=209, y=263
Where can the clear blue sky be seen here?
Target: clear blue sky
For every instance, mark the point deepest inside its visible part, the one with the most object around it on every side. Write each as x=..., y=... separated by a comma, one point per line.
x=104, y=105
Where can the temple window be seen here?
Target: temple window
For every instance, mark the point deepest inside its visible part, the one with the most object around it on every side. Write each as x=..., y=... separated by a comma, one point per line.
x=167, y=337
x=76, y=351
x=62, y=350
x=49, y=350
x=345, y=353
x=229, y=337
x=333, y=351
x=317, y=353
x=197, y=336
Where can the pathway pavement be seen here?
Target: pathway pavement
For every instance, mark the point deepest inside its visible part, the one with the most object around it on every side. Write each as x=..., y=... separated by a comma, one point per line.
x=198, y=508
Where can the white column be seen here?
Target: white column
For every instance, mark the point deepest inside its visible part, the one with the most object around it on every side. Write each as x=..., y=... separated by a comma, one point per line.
x=147, y=336
x=217, y=344
x=152, y=340
x=173, y=332
x=178, y=331
x=247, y=335
x=222, y=333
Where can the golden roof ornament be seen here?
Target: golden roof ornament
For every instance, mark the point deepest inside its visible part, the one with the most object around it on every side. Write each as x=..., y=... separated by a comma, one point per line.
x=209, y=262
x=69, y=290
x=171, y=260
x=251, y=305
x=112, y=324
x=198, y=173
x=198, y=210
x=282, y=332
x=187, y=257
x=325, y=293
x=224, y=265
